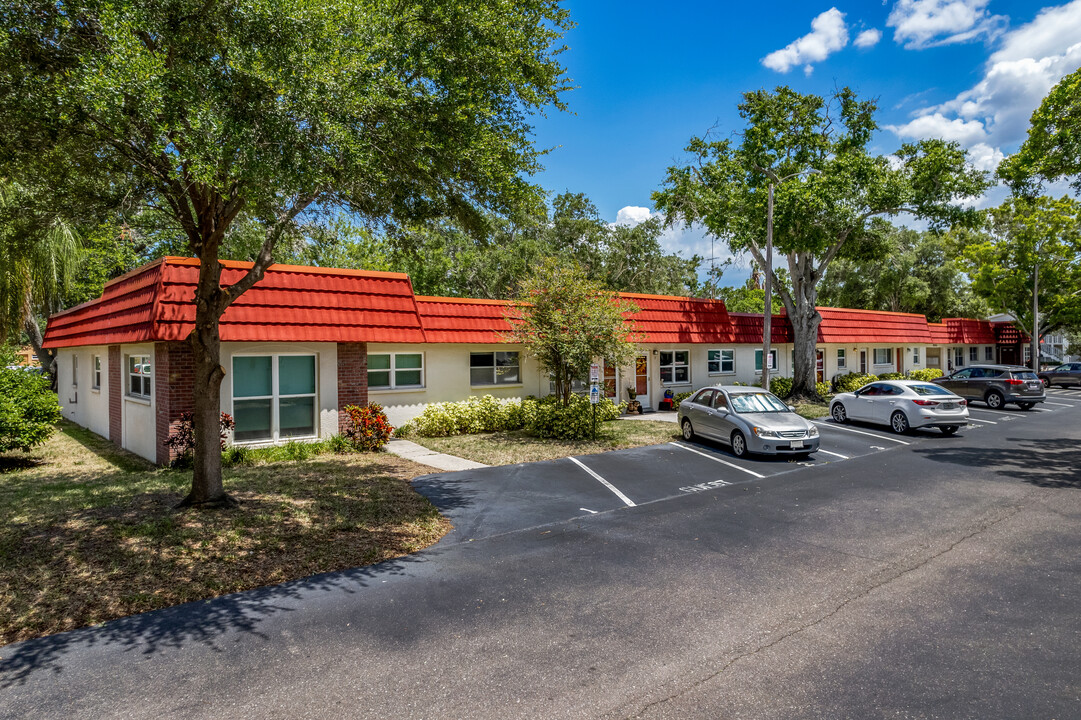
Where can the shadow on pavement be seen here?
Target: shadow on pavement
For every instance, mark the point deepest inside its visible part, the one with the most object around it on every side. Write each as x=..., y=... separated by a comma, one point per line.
x=1053, y=463
x=198, y=622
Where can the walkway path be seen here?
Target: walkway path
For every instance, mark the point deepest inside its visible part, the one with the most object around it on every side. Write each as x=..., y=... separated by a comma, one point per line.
x=659, y=415
x=424, y=456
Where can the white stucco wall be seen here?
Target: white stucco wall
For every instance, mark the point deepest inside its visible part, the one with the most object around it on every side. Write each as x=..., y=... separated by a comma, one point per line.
x=80, y=402
x=139, y=422
x=326, y=377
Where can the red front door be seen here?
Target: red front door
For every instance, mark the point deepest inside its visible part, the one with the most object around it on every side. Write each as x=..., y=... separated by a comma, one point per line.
x=820, y=365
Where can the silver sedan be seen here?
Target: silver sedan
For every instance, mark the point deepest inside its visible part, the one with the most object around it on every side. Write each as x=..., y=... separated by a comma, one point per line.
x=748, y=419
x=902, y=404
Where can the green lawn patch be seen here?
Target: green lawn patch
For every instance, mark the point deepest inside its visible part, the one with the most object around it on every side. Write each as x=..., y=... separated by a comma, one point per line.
x=813, y=411
x=88, y=533
x=517, y=446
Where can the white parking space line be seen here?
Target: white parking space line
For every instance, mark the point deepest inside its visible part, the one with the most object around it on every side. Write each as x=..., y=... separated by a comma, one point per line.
x=610, y=486
x=843, y=457
x=982, y=420
x=834, y=426
x=1011, y=413
x=716, y=459
x=1048, y=402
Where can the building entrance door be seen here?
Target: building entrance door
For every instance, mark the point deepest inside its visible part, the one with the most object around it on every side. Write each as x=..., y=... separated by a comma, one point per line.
x=820, y=365
x=641, y=379
x=863, y=362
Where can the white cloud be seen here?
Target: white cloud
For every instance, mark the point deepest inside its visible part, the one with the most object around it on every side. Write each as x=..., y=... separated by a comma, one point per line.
x=828, y=35
x=927, y=23
x=632, y=215
x=868, y=38
x=994, y=114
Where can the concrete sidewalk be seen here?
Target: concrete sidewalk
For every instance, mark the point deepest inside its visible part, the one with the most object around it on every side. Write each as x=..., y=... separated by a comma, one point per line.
x=424, y=456
x=656, y=415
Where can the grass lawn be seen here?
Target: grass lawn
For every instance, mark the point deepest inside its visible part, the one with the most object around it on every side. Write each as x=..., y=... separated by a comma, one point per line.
x=515, y=446
x=813, y=411
x=88, y=533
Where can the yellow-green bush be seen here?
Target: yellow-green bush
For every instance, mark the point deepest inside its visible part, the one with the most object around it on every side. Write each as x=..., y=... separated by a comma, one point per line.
x=824, y=389
x=472, y=415
x=926, y=375
x=850, y=382
x=548, y=418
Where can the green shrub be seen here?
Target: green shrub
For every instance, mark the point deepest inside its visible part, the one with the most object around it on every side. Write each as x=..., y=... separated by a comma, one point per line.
x=680, y=397
x=926, y=375
x=824, y=389
x=892, y=376
x=472, y=415
x=780, y=386
x=850, y=382
x=29, y=410
x=368, y=429
x=548, y=418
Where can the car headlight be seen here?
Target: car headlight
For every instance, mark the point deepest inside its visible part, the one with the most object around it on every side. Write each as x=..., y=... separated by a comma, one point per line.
x=762, y=432
x=812, y=431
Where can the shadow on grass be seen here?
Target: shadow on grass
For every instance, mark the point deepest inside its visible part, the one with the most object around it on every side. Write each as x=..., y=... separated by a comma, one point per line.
x=105, y=449
x=1053, y=463
x=15, y=463
x=202, y=622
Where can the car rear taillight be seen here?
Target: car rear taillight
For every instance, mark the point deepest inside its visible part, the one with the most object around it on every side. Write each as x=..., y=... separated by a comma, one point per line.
x=1015, y=381
x=925, y=403
x=962, y=403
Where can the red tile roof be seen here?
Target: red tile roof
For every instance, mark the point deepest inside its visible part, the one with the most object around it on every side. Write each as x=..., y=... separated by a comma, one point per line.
x=463, y=320
x=842, y=325
x=673, y=319
x=747, y=329
x=1006, y=333
x=966, y=331
x=940, y=334
x=290, y=304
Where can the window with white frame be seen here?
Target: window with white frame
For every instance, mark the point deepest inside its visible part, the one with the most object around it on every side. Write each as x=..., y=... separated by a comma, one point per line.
x=95, y=373
x=675, y=366
x=274, y=397
x=1028, y=354
x=720, y=361
x=841, y=360
x=387, y=371
x=974, y=354
x=139, y=376
x=75, y=371
x=958, y=357
x=773, y=357
x=494, y=368
x=915, y=356
x=883, y=356
x=989, y=353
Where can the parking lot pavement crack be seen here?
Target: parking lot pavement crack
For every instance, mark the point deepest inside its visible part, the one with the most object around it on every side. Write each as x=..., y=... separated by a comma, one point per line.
x=886, y=576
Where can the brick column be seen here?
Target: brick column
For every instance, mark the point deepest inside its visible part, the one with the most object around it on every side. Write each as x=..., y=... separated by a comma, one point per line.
x=352, y=379
x=174, y=379
x=116, y=396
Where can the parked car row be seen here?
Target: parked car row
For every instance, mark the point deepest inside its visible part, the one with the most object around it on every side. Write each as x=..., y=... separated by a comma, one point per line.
x=752, y=420
x=1066, y=375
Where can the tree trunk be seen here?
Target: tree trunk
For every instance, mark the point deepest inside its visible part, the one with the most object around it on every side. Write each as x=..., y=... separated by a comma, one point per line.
x=47, y=358
x=805, y=319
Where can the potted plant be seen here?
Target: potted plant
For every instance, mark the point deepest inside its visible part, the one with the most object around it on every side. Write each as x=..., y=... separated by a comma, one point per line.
x=633, y=406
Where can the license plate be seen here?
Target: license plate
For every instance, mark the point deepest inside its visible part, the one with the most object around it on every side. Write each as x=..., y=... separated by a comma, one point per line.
x=1035, y=385
x=948, y=406
x=796, y=444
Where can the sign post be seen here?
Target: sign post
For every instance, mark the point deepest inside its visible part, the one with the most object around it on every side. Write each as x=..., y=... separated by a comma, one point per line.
x=594, y=398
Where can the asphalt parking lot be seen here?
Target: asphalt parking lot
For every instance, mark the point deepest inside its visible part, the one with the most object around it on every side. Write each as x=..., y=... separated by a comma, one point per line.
x=491, y=501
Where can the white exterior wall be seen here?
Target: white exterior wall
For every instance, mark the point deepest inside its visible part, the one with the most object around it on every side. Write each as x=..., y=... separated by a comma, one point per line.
x=326, y=378
x=80, y=402
x=138, y=416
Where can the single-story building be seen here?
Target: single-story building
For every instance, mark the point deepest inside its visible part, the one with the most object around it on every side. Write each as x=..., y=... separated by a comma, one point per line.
x=305, y=342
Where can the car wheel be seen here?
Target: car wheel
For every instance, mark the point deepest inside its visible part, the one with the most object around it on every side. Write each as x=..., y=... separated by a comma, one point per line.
x=739, y=444
x=1046, y=382
x=949, y=429
x=1026, y=405
x=994, y=399
x=839, y=413
x=688, y=431
x=899, y=422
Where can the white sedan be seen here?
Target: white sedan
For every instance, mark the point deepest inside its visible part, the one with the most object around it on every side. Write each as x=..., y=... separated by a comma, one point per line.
x=902, y=404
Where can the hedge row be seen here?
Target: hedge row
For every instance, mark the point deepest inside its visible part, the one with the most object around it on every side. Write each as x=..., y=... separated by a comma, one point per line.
x=544, y=417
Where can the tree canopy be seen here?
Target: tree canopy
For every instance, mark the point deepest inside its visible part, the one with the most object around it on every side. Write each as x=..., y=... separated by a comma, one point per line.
x=787, y=135
x=209, y=112
x=1052, y=150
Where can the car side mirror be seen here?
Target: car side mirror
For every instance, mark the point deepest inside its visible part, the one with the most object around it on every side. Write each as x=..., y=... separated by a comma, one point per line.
x=792, y=408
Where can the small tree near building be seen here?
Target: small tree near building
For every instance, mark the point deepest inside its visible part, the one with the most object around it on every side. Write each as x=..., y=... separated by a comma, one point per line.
x=567, y=320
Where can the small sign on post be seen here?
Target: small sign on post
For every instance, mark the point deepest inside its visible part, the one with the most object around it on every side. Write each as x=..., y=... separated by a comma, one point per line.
x=769, y=360
x=594, y=394
x=595, y=373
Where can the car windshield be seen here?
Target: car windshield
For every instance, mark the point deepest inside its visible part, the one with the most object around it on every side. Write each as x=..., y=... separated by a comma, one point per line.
x=760, y=402
x=929, y=389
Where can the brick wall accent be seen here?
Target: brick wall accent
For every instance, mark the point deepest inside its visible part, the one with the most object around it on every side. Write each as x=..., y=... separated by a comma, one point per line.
x=174, y=379
x=352, y=379
x=116, y=396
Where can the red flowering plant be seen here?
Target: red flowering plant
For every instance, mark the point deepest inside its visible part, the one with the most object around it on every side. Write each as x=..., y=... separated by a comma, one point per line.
x=368, y=428
x=182, y=440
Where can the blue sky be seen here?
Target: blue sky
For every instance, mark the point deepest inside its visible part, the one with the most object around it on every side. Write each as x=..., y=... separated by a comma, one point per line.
x=650, y=76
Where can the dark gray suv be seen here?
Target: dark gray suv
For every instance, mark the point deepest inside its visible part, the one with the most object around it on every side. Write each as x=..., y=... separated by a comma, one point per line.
x=996, y=385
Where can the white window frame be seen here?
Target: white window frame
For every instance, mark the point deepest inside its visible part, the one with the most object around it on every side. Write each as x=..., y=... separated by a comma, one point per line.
x=773, y=354
x=958, y=357
x=721, y=361
x=973, y=354
x=275, y=397
x=988, y=353
x=889, y=356
x=915, y=356
x=1027, y=353
x=393, y=371
x=149, y=394
x=842, y=359
x=673, y=366
x=495, y=368
x=95, y=372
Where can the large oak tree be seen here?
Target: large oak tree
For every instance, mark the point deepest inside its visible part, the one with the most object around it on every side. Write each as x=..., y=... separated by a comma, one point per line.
x=787, y=135
x=214, y=110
